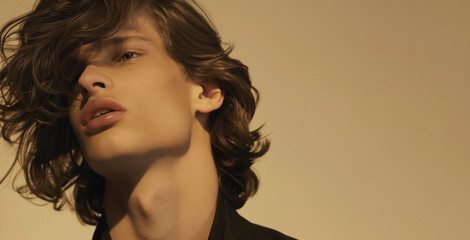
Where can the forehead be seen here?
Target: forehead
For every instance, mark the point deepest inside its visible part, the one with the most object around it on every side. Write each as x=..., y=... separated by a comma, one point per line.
x=139, y=27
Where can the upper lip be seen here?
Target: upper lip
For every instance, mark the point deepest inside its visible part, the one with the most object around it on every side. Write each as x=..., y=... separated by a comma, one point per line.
x=96, y=104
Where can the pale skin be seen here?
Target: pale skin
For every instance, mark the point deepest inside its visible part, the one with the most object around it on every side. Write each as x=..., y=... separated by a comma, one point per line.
x=161, y=180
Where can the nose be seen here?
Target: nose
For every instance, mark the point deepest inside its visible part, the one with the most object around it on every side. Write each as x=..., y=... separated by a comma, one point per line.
x=94, y=80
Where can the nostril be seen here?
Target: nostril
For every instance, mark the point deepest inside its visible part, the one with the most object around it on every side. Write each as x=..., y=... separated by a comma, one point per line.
x=98, y=84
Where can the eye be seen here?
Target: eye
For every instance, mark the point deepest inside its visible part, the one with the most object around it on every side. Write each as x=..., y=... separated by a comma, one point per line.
x=127, y=56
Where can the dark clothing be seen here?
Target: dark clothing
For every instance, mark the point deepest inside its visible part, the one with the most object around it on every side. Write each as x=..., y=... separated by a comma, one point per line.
x=227, y=225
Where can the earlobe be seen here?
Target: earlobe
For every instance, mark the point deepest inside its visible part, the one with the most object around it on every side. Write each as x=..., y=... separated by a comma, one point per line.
x=210, y=97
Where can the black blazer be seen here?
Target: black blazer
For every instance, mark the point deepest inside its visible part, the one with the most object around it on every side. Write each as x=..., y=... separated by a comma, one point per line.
x=227, y=225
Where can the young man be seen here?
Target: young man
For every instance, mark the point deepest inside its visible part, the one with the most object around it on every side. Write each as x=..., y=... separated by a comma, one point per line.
x=138, y=107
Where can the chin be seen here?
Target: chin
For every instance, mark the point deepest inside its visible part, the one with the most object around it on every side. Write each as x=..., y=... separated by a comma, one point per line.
x=115, y=150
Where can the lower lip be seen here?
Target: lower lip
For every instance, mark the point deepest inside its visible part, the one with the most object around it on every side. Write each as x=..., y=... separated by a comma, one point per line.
x=103, y=122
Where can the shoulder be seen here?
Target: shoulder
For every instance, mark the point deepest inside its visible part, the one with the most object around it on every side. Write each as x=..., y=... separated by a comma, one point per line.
x=238, y=227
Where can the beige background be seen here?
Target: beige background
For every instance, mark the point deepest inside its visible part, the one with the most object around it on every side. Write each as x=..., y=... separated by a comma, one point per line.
x=368, y=107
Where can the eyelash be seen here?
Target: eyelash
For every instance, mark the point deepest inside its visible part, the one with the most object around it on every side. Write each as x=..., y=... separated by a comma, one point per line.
x=125, y=57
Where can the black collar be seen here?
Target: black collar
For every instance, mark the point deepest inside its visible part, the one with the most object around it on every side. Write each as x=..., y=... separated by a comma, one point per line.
x=218, y=225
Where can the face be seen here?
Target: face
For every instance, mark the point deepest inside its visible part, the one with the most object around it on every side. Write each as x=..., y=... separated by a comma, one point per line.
x=134, y=99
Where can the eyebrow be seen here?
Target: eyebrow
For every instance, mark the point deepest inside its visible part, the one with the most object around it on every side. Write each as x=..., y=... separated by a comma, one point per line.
x=113, y=41
x=109, y=43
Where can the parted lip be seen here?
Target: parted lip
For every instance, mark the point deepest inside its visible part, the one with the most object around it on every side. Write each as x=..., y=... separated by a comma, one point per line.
x=97, y=104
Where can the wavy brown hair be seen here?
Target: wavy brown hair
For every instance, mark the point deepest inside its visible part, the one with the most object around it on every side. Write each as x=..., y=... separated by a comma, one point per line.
x=39, y=73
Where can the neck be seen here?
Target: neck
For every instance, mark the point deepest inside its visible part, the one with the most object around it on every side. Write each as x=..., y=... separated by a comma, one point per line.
x=173, y=198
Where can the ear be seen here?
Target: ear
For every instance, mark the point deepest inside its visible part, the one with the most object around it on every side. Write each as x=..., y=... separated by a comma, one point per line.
x=208, y=96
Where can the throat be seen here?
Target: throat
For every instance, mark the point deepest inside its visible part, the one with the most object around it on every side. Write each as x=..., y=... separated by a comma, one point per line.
x=161, y=207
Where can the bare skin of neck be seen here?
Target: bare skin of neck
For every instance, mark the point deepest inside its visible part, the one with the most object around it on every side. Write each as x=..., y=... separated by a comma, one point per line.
x=168, y=198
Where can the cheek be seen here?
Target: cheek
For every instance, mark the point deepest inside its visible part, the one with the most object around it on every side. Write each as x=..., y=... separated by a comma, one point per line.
x=164, y=118
x=75, y=119
x=75, y=122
